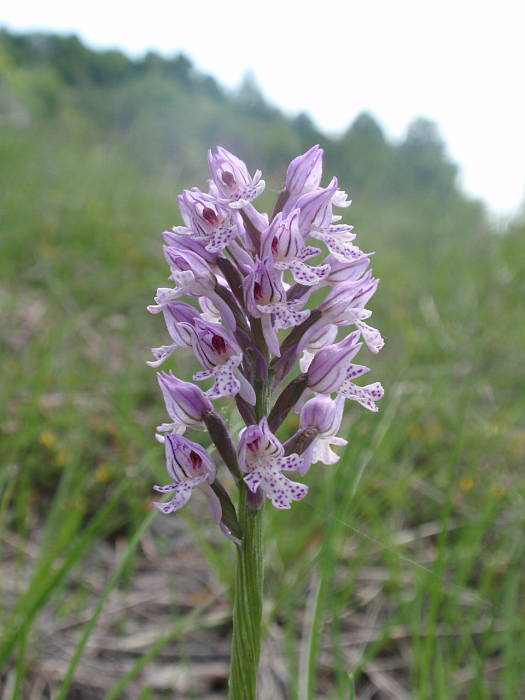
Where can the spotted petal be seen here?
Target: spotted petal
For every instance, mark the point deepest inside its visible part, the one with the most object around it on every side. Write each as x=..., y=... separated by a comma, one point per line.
x=371, y=336
x=281, y=490
x=245, y=194
x=226, y=383
x=339, y=245
x=220, y=238
x=182, y=492
x=289, y=463
x=354, y=371
x=286, y=314
x=308, y=251
x=307, y=274
x=365, y=395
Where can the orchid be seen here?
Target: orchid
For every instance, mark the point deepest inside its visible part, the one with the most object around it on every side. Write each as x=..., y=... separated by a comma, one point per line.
x=331, y=370
x=233, y=183
x=219, y=352
x=317, y=220
x=175, y=314
x=186, y=404
x=325, y=415
x=239, y=305
x=262, y=456
x=265, y=298
x=206, y=220
x=190, y=467
x=283, y=241
x=304, y=172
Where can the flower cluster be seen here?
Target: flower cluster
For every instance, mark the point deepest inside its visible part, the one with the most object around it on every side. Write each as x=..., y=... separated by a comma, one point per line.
x=248, y=278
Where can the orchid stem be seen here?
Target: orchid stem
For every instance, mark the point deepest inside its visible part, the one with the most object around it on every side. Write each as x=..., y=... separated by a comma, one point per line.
x=249, y=576
x=247, y=608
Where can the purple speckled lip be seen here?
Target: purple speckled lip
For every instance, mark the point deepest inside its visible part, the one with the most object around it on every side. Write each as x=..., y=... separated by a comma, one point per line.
x=262, y=294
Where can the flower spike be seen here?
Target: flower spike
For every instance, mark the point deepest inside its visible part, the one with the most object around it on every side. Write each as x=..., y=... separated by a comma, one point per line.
x=259, y=301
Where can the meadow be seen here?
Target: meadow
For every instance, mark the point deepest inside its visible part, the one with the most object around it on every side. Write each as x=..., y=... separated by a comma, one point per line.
x=400, y=576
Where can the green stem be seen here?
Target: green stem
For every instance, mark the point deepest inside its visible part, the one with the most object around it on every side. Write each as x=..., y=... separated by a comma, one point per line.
x=248, y=587
x=247, y=608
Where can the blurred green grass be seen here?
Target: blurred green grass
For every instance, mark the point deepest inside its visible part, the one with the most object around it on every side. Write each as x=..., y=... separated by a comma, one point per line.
x=426, y=503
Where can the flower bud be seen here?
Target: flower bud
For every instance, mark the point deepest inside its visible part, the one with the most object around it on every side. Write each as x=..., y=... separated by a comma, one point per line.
x=185, y=261
x=329, y=367
x=187, y=460
x=184, y=242
x=176, y=314
x=212, y=344
x=185, y=402
x=263, y=286
x=316, y=208
x=344, y=270
x=282, y=240
x=322, y=413
x=345, y=302
x=304, y=172
x=232, y=179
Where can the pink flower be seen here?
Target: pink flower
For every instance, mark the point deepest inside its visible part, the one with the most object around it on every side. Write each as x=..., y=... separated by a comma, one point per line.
x=248, y=280
x=325, y=414
x=332, y=370
x=218, y=351
x=186, y=404
x=265, y=298
x=206, y=220
x=175, y=313
x=261, y=456
x=190, y=467
x=230, y=175
x=284, y=243
x=304, y=172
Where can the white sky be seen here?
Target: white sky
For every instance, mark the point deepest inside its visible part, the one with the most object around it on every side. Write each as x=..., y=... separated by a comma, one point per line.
x=457, y=62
